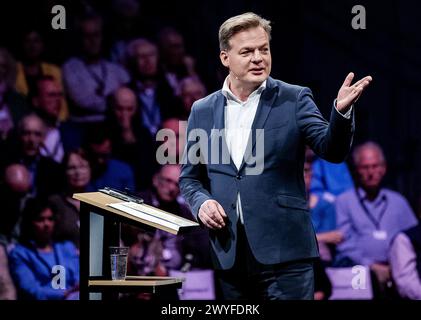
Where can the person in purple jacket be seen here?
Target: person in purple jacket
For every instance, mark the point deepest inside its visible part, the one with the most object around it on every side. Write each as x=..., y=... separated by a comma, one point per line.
x=370, y=216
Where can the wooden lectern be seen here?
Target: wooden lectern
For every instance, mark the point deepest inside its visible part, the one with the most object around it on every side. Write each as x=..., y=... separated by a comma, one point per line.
x=100, y=229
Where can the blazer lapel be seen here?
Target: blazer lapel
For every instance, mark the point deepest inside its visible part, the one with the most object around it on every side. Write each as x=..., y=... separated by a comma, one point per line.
x=263, y=109
x=219, y=124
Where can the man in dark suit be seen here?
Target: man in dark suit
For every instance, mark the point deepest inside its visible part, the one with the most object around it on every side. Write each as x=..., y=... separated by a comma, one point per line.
x=254, y=203
x=24, y=147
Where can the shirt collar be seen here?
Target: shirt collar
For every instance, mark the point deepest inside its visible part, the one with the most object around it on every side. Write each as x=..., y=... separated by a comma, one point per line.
x=380, y=197
x=226, y=91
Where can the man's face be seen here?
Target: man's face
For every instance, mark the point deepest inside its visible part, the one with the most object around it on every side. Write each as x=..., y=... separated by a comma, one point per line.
x=370, y=168
x=190, y=93
x=44, y=225
x=147, y=59
x=166, y=183
x=124, y=107
x=32, y=136
x=49, y=98
x=249, y=59
x=92, y=37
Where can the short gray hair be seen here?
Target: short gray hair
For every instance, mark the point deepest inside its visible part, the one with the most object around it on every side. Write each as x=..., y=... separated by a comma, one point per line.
x=240, y=23
x=367, y=145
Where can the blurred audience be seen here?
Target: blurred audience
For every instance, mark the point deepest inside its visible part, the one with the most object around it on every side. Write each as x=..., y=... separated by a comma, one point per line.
x=131, y=142
x=33, y=67
x=25, y=149
x=33, y=260
x=176, y=63
x=370, y=216
x=46, y=100
x=66, y=209
x=13, y=106
x=89, y=79
x=155, y=97
x=173, y=134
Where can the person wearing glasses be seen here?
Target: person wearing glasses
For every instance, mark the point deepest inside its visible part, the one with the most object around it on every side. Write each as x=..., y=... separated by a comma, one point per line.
x=47, y=103
x=77, y=177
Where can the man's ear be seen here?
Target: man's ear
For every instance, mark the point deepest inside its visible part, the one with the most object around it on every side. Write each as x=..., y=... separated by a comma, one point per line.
x=223, y=55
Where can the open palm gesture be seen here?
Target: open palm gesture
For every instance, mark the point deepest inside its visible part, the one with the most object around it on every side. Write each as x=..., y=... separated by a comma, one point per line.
x=349, y=94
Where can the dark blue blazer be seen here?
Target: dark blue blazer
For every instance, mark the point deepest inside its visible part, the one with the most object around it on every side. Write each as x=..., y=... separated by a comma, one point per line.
x=275, y=211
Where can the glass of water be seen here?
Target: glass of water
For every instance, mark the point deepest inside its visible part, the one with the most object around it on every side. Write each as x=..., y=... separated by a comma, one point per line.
x=118, y=257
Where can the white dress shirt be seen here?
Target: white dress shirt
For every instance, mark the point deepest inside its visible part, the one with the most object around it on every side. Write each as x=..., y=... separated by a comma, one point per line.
x=239, y=117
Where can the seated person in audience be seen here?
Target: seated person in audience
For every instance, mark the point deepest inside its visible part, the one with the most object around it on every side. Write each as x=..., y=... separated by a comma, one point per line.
x=33, y=261
x=370, y=216
x=323, y=215
x=177, y=64
x=332, y=178
x=155, y=97
x=89, y=79
x=191, y=90
x=26, y=149
x=106, y=171
x=14, y=192
x=405, y=262
x=66, y=209
x=47, y=97
x=33, y=67
x=131, y=141
x=173, y=135
x=12, y=104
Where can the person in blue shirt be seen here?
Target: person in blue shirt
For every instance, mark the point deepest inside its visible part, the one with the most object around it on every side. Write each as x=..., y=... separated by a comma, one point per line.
x=106, y=171
x=333, y=178
x=323, y=214
x=42, y=268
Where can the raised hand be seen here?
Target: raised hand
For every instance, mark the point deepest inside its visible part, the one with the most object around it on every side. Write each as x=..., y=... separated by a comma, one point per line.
x=349, y=94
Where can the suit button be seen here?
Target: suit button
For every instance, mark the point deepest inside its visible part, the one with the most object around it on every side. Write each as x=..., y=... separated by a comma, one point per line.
x=233, y=206
x=238, y=177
